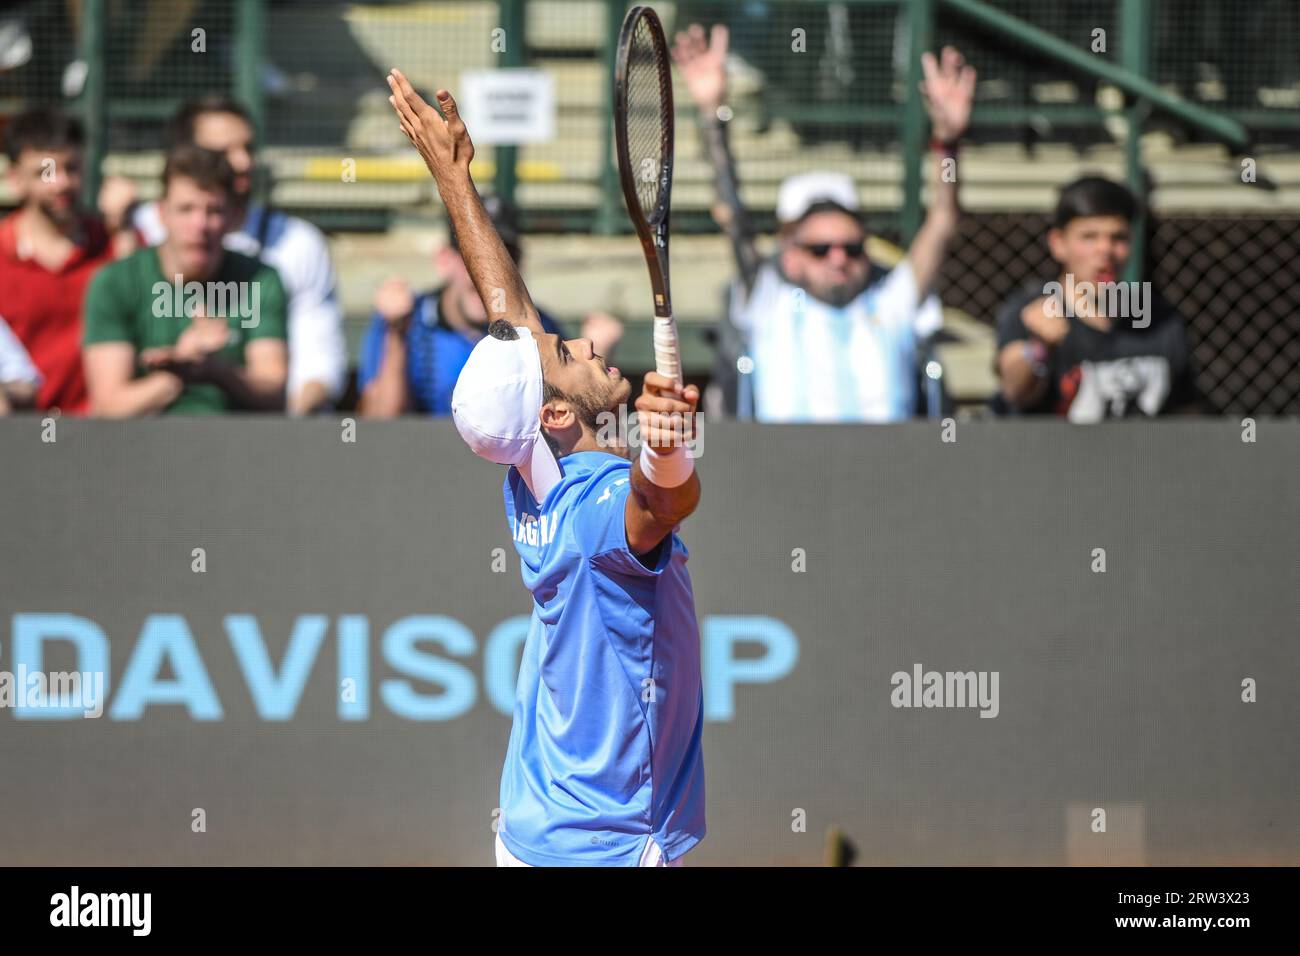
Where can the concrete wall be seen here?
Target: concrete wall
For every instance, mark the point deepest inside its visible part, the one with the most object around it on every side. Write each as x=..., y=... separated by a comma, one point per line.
x=1119, y=691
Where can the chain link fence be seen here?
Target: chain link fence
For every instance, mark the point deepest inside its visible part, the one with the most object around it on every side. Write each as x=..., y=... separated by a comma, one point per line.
x=1234, y=280
x=814, y=84
x=158, y=53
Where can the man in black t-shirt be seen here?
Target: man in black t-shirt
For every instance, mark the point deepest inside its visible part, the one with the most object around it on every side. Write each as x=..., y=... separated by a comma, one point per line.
x=1088, y=346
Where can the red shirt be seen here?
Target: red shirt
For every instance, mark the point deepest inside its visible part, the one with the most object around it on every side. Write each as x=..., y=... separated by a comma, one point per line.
x=44, y=310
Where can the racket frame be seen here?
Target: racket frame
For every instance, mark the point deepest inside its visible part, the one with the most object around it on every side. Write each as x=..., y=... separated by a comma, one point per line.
x=652, y=232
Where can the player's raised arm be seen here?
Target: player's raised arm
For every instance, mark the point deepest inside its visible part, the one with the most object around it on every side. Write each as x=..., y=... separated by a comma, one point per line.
x=665, y=488
x=949, y=90
x=447, y=151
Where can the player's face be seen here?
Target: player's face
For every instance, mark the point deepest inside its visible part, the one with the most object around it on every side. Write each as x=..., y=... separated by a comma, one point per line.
x=229, y=134
x=573, y=367
x=826, y=255
x=49, y=180
x=196, y=220
x=1092, y=248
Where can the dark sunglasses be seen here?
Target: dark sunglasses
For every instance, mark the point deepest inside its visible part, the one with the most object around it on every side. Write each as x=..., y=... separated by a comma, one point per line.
x=820, y=250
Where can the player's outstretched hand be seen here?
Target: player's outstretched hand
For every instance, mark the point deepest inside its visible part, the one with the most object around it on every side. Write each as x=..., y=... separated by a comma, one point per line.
x=949, y=90
x=443, y=143
x=665, y=412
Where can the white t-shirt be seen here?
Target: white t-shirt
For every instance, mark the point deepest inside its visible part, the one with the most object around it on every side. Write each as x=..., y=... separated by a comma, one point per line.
x=814, y=362
x=297, y=250
x=15, y=364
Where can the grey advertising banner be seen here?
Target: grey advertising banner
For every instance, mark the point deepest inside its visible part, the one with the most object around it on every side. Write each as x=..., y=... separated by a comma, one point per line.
x=1031, y=643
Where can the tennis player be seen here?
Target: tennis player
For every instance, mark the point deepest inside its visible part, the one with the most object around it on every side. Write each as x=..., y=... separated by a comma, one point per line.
x=604, y=765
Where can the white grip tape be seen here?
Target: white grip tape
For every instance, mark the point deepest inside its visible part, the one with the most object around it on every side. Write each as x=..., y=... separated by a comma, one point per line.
x=666, y=469
x=668, y=360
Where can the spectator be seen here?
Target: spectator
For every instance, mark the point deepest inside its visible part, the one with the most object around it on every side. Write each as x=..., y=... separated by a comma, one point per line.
x=415, y=347
x=187, y=326
x=828, y=336
x=19, y=379
x=1063, y=351
x=294, y=247
x=49, y=249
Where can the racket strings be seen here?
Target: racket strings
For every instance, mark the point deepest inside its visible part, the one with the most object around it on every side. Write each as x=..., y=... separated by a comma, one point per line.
x=649, y=114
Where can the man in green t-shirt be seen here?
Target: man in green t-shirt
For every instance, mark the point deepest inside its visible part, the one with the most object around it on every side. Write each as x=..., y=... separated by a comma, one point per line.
x=187, y=327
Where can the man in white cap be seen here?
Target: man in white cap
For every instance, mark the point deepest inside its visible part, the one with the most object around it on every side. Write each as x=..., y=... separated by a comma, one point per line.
x=823, y=335
x=604, y=765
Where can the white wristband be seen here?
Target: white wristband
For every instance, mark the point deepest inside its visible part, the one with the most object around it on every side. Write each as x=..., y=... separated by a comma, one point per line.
x=666, y=469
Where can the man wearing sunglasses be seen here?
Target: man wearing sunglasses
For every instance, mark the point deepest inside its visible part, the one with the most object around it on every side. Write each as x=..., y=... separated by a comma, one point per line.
x=817, y=332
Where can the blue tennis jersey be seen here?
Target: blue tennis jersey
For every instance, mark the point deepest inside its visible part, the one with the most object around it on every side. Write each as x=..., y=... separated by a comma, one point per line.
x=609, y=709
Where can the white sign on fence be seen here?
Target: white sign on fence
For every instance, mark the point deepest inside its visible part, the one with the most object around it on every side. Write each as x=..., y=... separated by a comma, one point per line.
x=509, y=105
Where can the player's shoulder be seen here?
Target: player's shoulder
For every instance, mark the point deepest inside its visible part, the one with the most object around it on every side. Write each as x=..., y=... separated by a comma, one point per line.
x=591, y=476
x=594, y=465
x=584, y=476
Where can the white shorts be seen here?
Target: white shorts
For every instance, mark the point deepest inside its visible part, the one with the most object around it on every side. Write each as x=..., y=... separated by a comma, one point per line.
x=650, y=856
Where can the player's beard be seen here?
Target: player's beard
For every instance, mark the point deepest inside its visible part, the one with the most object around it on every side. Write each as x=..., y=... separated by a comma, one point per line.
x=589, y=410
x=587, y=407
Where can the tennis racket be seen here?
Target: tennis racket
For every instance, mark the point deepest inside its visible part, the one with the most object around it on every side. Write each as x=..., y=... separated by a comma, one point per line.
x=643, y=136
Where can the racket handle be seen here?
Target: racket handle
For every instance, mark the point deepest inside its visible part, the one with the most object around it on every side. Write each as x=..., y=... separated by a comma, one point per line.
x=668, y=361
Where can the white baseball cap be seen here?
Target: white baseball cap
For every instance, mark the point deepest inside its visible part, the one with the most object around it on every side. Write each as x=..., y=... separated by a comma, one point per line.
x=497, y=404
x=800, y=193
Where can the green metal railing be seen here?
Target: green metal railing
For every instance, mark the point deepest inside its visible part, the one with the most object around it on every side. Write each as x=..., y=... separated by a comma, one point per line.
x=1132, y=77
x=513, y=23
x=94, y=96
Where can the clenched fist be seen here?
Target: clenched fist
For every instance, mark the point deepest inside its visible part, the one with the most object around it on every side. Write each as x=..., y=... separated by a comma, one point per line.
x=665, y=412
